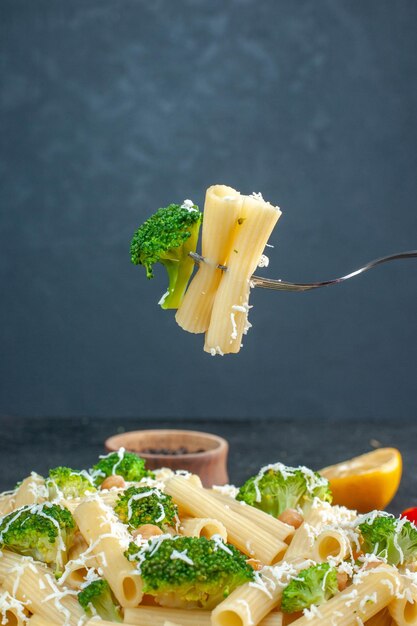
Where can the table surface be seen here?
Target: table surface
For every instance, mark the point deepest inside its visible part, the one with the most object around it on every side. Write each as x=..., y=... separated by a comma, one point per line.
x=41, y=443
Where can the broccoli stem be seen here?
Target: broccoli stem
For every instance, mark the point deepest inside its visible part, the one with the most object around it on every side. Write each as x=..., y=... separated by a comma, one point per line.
x=179, y=273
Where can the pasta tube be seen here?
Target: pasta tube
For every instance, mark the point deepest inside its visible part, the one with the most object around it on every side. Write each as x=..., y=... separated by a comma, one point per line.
x=302, y=543
x=267, y=522
x=32, y=582
x=369, y=594
x=230, y=309
x=108, y=540
x=202, y=527
x=221, y=212
x=250, y=603
x=7, y=503
x=404, y=611
x=241, y=532
x=330, y=543
x=156, y=616
x=32, y=490
x=12, y=612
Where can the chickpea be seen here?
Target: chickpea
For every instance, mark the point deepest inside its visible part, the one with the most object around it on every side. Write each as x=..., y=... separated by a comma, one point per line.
x=147, y=531
x=113, y=481
x=342, y=580
x=291, y=517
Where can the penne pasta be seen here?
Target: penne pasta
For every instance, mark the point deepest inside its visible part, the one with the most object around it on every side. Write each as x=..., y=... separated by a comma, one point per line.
x=108, y=539
x=12, y=612
x=267, y=522
x=7, y=503
x=404, y=611
x=228, y=319
x=156, y=616
x=221, y=211
x=330, y=543
x=32, y=490
x=241, y=532
x=249, y=604
x=202, y=527
x=33, y=583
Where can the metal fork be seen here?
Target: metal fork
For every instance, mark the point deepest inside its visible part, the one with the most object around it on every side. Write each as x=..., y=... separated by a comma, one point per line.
x=283, y=285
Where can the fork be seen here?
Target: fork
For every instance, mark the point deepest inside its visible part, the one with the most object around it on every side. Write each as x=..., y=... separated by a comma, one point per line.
x=283, y=285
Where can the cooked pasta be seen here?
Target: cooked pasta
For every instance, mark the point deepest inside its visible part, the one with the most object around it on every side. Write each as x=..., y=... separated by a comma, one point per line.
x=222, y=563
x=221, y=212
x=229, y=317
x=109, y=539
x=202, y=527
x=241, y=532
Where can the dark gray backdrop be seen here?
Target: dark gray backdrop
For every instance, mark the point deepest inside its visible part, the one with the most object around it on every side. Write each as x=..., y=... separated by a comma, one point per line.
x=112, y=108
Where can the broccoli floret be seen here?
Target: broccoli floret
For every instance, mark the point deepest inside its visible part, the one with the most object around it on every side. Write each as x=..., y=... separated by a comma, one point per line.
x=278, y=487
x=390, y=538
x=144, y=505
x=167, y=237
x=121, y=463
x=99, y=596
x=43, y=531
x=313, y=585
x=68, y=483
x=190, y=571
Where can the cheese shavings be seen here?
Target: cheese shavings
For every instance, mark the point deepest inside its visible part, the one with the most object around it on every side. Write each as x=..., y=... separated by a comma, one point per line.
x=263, y=261
x=8, y=604
x=189, y=205
x=182, y=556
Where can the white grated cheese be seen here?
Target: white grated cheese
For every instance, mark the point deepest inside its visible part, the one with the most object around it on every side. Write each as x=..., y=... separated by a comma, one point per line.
x=182, y=556
x=368, y=599
x=189, y=205
x=234, y=326
x=216, y=350
x=257, y=196
x=263, y=261
x=227, y=490
x=245, y=605
x=312, y=612
x=8, y=603
x=219, y=544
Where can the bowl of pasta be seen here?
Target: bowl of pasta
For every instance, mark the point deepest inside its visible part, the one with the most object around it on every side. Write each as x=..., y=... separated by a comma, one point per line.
x=201, y=453
x=120, y=543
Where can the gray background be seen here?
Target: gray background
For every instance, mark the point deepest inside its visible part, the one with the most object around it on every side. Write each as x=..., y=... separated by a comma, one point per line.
x=110, y=109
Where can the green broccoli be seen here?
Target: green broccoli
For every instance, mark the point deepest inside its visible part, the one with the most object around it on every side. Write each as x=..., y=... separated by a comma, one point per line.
x=43, y=531
x=168, y=237
x=388, y=537
x=278, y=487
x=97, y=599
x=190, y=571
x=121, y=463
x=145, y=505
x=313, y=585
x=68, y=483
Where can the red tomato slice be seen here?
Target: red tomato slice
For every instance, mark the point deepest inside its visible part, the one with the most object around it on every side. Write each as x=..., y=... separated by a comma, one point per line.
x=410, y=514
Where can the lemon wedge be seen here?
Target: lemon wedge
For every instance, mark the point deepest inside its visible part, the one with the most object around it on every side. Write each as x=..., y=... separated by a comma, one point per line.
x=366, y=482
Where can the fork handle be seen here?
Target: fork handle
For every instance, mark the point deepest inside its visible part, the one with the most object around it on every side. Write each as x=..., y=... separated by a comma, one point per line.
x=282, y=285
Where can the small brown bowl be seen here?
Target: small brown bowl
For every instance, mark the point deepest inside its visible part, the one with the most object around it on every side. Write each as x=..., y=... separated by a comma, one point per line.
x=207, y=454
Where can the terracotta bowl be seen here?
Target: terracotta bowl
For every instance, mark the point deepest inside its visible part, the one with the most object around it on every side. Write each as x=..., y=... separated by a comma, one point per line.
x=207, y=454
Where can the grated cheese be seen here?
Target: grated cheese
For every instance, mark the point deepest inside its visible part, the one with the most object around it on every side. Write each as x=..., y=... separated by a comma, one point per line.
x=182, y=556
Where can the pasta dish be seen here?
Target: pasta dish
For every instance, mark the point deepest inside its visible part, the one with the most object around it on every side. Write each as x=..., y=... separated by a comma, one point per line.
x=121, y=544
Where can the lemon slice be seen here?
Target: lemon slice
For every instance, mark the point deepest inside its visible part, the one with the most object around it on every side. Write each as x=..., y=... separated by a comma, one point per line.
x=366, y=482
